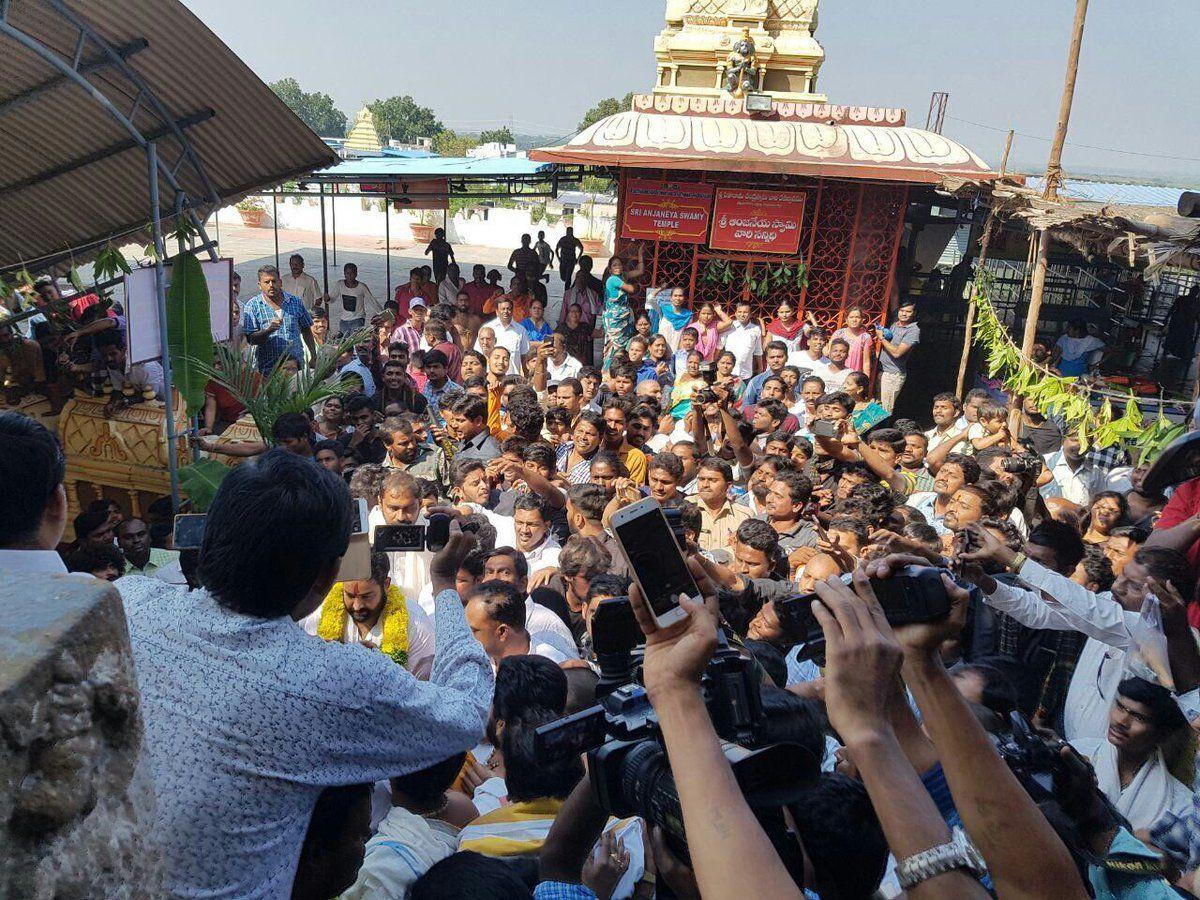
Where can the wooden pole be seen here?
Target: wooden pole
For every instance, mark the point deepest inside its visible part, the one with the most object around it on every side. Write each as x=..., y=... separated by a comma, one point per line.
x=1054, y=167
x=1007, y=149
x=1053, y=177
x=1040, y=264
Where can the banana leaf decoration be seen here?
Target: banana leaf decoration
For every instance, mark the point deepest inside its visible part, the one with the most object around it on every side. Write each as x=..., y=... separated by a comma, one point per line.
x=200, y=480
x=189, y=329
x=1073, y=401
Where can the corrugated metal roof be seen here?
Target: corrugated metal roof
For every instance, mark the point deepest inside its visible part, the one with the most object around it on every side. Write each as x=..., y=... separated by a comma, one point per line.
x=1115, y=192
x=248, y=139
x=384, y=168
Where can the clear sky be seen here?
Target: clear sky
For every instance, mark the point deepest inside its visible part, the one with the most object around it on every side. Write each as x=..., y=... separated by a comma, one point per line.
x=542, y=63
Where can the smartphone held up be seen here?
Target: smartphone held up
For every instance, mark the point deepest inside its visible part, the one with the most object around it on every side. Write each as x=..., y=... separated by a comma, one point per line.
x=655, y=559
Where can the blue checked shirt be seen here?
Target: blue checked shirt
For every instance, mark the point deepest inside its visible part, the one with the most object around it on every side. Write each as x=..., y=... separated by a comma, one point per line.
x=257, y=314
x=561, y=890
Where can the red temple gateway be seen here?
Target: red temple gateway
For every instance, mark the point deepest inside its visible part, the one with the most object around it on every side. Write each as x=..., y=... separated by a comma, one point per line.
x=731, y=193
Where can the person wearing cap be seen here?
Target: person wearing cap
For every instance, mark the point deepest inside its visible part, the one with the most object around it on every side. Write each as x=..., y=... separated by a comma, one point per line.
x=412, y=332
x=351, y=303
x=416, y=286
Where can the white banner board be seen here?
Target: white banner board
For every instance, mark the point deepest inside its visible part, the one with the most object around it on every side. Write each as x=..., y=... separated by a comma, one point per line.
x=141, y=307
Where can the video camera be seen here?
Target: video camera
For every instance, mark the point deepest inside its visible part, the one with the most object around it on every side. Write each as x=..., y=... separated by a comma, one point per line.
x=913, y=594
x=627, y=762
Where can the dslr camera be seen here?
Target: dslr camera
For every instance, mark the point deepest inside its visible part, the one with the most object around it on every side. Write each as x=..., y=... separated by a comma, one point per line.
x=627, y=762
x=913, y=594
x=708, y=371
x=1025, y=462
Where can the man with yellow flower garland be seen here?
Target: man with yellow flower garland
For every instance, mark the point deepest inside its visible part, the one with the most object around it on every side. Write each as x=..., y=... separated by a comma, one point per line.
x=377, y=615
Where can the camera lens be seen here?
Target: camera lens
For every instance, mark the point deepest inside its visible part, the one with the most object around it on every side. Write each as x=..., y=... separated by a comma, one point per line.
x=648, y=788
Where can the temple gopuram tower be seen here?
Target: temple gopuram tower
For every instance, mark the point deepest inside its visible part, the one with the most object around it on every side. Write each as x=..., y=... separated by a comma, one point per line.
x=740, y=183
x=693, y=48
x=363, y=139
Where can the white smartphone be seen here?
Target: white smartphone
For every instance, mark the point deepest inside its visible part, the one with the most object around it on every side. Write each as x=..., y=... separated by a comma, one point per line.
x=360, y=525
x=658, y=567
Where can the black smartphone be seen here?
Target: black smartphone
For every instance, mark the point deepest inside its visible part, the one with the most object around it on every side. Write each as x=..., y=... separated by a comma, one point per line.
x=399, y=539
x=189, y=531
x=437, y=532
x=823, y=428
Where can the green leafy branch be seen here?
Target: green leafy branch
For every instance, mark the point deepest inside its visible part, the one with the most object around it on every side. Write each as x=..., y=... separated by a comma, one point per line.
x=763, y=281
x=1068, y=397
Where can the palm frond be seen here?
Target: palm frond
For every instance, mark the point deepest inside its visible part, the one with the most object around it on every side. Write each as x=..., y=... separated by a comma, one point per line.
x=267, y=397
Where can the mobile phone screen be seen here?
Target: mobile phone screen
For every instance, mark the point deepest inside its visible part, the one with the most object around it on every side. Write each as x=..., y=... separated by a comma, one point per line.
x=656, y=561
x=189, y=531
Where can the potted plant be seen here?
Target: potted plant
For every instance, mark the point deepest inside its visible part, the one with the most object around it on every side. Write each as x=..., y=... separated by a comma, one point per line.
x=252, y=211
x=422, y=229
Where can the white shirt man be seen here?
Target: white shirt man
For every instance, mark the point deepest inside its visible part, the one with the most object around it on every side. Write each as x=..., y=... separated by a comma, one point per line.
x=1101, y=665
x=938, y=435
x=802, y=361
x=420, y=635
x=404, y=848
x=744, y=341
x=410, y=571
x=1079, y=485
x=449, y=287
x=551, y=645
x=835, y=380
x=1152, y=793
x=568, y=368
x=544, y=555
x=303, y=286
x=514, y=338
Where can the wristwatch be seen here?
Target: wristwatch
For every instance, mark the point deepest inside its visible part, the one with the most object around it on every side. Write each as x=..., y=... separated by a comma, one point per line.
x=958, y=853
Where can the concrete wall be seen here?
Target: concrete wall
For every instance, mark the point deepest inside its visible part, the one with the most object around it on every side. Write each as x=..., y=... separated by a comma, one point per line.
x=501, y=228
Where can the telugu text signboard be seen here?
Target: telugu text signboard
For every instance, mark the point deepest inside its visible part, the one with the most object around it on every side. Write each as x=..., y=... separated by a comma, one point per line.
x=757, y=221
x=667, y=211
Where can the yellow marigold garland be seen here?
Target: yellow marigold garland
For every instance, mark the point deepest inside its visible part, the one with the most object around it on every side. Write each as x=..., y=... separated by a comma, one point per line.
x=395, y=621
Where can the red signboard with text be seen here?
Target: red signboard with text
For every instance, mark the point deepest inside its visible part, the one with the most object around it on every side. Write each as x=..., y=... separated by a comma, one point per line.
x=667, y=211
x=757, y=221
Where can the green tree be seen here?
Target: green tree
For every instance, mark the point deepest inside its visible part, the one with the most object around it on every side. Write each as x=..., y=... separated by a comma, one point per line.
x=317, y=111
x=402, y=119
x=448, y=143
x=498, y=136
x=606, y=108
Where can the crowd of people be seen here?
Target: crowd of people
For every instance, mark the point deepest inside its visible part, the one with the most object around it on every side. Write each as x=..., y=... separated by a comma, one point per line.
x=377, y=736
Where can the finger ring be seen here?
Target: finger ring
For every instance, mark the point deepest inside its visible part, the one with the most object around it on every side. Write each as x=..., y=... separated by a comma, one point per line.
x=614, y=858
